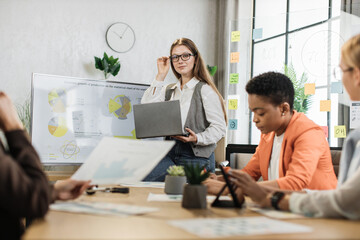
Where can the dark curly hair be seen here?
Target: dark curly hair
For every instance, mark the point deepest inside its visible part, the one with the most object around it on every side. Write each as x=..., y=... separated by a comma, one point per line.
x=277, y=87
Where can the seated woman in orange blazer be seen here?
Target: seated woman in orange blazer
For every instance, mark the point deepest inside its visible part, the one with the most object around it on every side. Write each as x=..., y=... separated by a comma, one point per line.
x=293, y=152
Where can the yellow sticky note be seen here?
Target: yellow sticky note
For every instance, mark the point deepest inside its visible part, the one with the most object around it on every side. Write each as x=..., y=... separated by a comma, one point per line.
x=309, y=88
x=234, y=57
x=234, y=78
x=325, y=105
x=340, y=131
x=233, y=104
x=235, y=36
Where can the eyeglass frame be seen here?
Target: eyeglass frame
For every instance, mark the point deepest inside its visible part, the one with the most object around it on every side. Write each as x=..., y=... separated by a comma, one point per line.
x=181, y=56
x=342, y=71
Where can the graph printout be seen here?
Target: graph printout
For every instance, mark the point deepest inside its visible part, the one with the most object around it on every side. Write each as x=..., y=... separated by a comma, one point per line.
x=71, y=115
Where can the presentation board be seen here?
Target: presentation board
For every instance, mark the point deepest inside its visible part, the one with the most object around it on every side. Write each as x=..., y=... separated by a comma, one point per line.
x=71, y=115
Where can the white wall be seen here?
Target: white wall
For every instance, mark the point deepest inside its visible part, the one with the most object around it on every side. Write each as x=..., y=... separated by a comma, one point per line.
x=62, y=37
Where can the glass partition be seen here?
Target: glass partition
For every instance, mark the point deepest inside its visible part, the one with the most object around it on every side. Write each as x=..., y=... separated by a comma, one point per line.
x=307, y=38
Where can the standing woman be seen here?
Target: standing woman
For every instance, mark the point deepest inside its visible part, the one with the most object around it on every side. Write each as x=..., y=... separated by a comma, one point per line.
x=202, y=108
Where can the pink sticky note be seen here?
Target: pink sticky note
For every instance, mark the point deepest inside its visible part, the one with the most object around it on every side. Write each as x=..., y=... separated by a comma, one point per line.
x=326, y=130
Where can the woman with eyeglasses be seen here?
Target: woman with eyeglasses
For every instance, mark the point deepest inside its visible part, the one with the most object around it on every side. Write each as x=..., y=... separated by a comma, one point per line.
x=202, y=108
x=343, y=202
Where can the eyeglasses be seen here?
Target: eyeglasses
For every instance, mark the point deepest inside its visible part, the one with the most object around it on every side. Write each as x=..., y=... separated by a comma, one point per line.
x=338, y=72
x=184, y=57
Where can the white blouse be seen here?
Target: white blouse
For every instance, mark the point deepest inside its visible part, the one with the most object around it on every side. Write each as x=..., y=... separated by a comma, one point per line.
x=211, y=103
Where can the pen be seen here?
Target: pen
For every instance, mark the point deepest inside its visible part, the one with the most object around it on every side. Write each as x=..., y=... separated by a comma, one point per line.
x=93, y=190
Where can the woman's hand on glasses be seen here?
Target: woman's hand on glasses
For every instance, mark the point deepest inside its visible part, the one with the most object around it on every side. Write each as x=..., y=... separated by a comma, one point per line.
x=163, y=65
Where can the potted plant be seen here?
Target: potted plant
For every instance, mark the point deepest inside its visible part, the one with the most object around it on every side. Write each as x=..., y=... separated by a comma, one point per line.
x=24, y=113
x=194, y=194
x=175, y=180
x=109, y=65
x=212, y=69
x=302, y=102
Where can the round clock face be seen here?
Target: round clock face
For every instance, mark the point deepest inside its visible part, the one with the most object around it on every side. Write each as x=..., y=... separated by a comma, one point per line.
x=120, y=37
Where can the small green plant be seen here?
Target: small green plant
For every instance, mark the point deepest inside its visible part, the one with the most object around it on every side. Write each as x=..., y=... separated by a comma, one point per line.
x=109, y=65
x=176, y=170
x=24, y=113
x=302, y=102
x=212, y=70
x=195, y=173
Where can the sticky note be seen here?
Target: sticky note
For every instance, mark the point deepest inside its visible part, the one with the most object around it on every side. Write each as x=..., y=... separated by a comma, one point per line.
x=325, y=105
x=336, y=87
x=233, y=104
x=232, y=124
x=234, y=78
x=340, y=131
x=257, y=33
x=234, y=57
x=235, y=36
x=326, y=130
x=309, y=88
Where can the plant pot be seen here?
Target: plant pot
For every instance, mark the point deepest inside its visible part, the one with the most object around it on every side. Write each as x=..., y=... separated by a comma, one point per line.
x=194, y=196
x=174, y=184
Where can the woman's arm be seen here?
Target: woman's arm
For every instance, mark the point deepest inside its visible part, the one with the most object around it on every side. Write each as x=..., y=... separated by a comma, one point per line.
x=156, y=93
x=341, y=202
x=214, y=115
x=24, y=190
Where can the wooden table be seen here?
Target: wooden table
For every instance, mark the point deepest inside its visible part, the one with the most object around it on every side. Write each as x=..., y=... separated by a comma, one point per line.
x=62, y=225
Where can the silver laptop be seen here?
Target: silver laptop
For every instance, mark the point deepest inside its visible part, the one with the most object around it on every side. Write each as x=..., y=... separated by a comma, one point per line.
x=158, y=119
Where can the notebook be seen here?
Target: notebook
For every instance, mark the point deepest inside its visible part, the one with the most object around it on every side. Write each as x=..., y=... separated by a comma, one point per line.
x=159, y=119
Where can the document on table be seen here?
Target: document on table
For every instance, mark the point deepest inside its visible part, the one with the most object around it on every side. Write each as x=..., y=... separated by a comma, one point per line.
x=144, y=184
x=101, y=208
x=152, y=197
x=240, y=226
x=276, y=214
x=117, y=160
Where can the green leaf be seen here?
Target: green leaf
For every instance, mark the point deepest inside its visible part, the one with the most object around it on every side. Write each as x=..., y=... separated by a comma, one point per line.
x=98, y=64
x=194, y=173
x=114, y=70
x=212, y=70
x=302, y=102
x=108, y=65
x=106, y=57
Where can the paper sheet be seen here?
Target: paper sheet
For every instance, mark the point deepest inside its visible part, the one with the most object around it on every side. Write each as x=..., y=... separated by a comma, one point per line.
x=355, y=114
x=276, y=214
x=101, y=208
x=241, y=226
x=152, y=197
x=117, y=160
x=144, y=184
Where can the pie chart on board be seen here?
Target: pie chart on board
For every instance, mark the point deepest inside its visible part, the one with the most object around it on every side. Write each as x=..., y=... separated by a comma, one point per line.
x=57, y=126
x=57, y=100
x=120, y=106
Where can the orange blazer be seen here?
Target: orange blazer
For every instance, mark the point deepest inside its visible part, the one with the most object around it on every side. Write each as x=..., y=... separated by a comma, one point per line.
x=305, y=159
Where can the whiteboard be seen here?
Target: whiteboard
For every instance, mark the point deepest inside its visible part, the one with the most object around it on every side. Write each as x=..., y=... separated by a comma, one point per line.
x=71, y=115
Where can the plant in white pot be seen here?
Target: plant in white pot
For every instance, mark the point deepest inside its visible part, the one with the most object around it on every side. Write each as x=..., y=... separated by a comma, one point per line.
x=194, y=194
x=175, y=180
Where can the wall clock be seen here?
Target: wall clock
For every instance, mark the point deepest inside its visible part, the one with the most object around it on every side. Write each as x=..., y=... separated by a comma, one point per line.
x=120, y=37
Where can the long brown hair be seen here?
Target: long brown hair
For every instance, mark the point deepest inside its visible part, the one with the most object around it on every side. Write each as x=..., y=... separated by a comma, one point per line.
x=200, y=71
